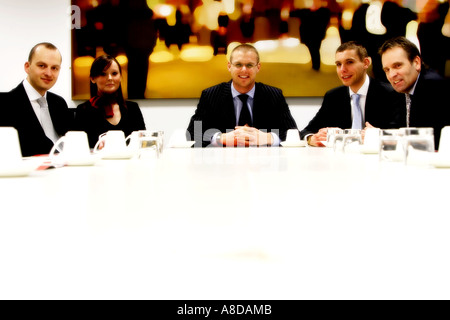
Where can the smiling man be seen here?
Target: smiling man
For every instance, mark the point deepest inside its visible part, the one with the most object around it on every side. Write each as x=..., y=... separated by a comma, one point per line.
x=426, y=100
x=39, y=116
x=241, y=112
x=361, y=101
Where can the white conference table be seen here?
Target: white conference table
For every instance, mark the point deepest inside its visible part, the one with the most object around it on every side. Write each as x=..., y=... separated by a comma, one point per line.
x=255, y=223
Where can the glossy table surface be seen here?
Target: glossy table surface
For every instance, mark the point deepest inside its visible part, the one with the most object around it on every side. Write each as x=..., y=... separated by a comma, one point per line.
x=257, y=223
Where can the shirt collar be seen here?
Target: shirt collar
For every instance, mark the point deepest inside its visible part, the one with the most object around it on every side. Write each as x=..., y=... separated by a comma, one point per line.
x=235, y=93
x=364, y=88
x=32, y=94
x=411, y=92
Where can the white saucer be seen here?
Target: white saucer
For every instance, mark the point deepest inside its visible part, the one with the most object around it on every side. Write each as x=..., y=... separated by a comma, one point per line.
x=440, y=161
x=369, y=150
x=126, y=154
x=86, y=161
x=293, y=144
x=182, y=144
x=20, y=169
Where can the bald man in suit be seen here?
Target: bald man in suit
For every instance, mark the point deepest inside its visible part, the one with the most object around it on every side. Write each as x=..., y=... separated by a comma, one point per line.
x=23, y=106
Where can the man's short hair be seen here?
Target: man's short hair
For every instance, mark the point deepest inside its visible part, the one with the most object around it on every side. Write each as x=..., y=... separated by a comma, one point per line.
x=245, y=47
x=47, y=45
x=401, y=42
x=361, y=51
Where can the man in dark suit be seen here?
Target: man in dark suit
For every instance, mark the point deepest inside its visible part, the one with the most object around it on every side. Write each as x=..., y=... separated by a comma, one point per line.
x=361, y=101
x=40, y=117
x=241, y=112
x=426, y=97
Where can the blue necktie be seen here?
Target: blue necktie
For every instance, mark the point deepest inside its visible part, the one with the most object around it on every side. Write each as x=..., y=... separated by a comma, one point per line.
x=357, y=122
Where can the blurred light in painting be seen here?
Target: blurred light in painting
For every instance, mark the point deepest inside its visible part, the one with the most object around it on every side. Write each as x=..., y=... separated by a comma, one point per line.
x=329, y=45
x=347, y=18
x=196, y=53
x=411, y=32
x=373, y=18
x=208, y=13
x=228, y=6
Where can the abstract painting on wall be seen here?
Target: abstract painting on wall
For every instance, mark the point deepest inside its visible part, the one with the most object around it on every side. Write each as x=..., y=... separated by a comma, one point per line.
x=177, y=48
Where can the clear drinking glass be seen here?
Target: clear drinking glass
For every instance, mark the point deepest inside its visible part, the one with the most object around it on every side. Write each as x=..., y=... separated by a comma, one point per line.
x=391, y=145
x=418, y=145
x=352, y=141
x=338, y=145
x=331, y=136
x=148, y=145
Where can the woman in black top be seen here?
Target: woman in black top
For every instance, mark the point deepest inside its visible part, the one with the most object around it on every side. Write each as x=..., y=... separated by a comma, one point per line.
x=107, y=109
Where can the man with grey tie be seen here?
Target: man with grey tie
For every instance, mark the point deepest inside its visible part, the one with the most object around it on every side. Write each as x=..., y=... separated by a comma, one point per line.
x=359, y=103
x=39, y=116
x=426, y=93
x=241, y=112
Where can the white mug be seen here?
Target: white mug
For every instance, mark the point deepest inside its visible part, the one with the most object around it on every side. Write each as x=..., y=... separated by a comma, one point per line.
x=444, y=142
x=9, y=146
x=292, y=135
x=113, y=142
x=75, y=146
x=372, y=140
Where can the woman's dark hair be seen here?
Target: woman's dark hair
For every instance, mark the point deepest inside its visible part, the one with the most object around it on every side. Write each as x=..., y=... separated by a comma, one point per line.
x=100, y=65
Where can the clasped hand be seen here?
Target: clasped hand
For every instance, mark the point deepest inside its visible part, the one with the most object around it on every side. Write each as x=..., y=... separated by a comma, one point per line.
x=244, y=136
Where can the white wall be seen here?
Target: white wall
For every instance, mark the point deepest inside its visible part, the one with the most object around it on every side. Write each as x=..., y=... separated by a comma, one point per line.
x=23, y=23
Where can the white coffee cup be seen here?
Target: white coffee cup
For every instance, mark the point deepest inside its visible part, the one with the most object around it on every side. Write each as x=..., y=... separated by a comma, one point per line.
x=113, y=142
x=444, y=142
x=133, y=138
x=75, y=147
x=9, y=146
x=371, y=140
x=292, y=135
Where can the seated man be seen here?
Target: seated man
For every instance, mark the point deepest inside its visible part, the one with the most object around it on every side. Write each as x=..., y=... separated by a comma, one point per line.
x=241, y=112
x=360, y=102
x=40, y=117
x=426, y=98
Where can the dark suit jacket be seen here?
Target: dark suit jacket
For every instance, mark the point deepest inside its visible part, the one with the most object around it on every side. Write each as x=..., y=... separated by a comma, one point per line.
x=17, y=112
x=430, y=104
x=215, y=112
x=94, y=123
x=381, y=107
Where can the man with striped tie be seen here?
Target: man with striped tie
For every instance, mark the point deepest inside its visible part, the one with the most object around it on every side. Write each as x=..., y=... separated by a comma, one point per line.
x=426, y=98
x=241, y=112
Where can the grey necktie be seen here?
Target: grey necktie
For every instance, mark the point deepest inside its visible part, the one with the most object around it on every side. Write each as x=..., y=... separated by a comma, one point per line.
x=408, y=108
x=46, y=121
x=357, y=122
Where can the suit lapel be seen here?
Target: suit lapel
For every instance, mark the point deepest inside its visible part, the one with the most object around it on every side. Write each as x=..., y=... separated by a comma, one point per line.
x=227, y=107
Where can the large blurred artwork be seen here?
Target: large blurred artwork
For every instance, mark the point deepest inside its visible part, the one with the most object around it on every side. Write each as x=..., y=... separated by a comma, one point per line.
x=177, y=48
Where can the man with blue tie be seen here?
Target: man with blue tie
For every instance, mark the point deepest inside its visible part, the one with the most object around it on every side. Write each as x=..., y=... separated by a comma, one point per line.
x=241, y=112
x=39, y=116
x=361, y=101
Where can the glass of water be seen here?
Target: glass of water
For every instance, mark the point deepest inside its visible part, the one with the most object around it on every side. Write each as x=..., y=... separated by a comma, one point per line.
x=148, y=145
x=418, y=145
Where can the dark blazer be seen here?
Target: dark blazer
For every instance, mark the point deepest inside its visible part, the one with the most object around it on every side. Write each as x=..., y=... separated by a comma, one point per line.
x=430, y=104
x=17, y=112
x=381, y=107
x=93, y=121
x=215, y=112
